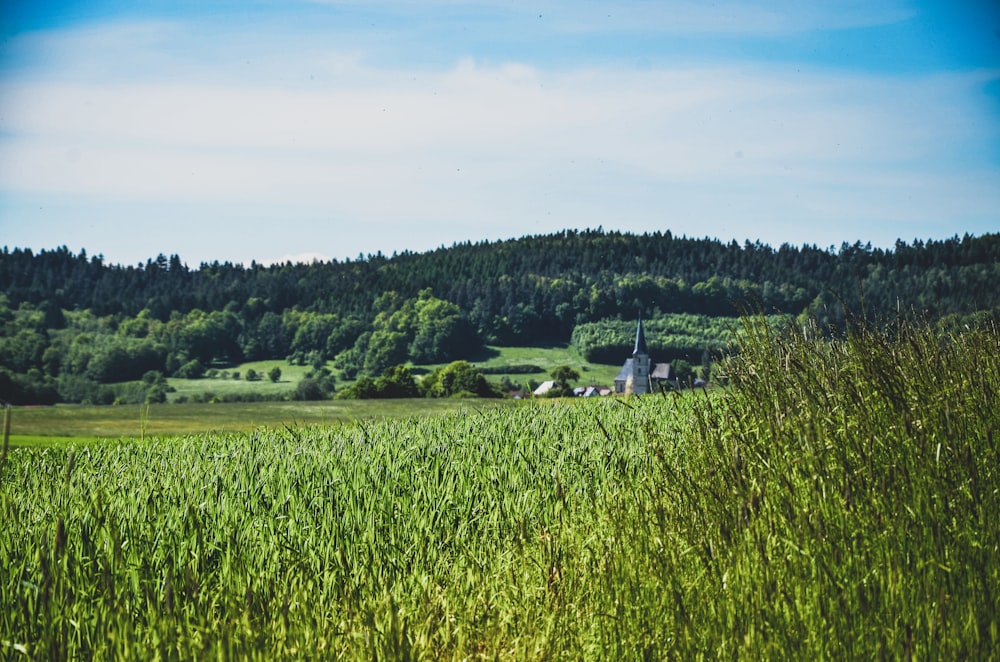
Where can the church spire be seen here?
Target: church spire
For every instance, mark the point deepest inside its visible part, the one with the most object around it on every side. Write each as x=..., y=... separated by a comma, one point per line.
x=640, y=340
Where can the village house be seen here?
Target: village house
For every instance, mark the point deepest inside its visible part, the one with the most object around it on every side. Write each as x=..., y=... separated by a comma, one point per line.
x=544, y=388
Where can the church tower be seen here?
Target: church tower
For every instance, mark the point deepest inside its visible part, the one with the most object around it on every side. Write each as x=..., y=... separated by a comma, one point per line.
x=639, y=374
x=640, y=362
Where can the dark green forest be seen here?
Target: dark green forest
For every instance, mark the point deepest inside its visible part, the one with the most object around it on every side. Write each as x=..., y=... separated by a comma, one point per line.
x=70, y=323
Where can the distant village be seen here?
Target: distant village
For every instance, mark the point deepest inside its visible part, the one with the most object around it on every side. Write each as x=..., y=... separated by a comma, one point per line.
x=638, y=376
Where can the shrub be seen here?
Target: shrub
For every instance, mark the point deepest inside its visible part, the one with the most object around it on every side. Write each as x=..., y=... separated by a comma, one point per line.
x=513, y=369
x=458, y=377
x=193, y=369
x=309, y=389
x=397, y=382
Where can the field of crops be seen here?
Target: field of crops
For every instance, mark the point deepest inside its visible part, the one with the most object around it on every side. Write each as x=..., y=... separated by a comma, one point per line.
x=63, y=425
x=839, y=500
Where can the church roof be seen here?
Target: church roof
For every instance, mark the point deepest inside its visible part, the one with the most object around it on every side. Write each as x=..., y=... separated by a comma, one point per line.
x=625, y=372
x=640, y=340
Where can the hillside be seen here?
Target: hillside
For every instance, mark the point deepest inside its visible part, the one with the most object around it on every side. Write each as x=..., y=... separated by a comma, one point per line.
x=67, y=317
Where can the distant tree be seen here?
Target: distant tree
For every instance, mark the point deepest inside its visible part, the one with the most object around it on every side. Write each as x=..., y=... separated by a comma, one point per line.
x=308, y=389
x=509, y=386
x=274, y=374
x=385, y=349
x=318, y=385
x=396, y=382
x=685, y=372
x=23, y=350
x=252, y=375
x=351, y=361
x=315, y=360
x=151, y=377
x=458, y=379
x=441, y=332
x=156, y=394
x=193, y=369
x=563, y=376
x=270, y=339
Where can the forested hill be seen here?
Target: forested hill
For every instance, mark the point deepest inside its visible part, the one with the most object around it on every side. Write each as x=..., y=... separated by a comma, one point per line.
x=535, y=288
x=69, y=322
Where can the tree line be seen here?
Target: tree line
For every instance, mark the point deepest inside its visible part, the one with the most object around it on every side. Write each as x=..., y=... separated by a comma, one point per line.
x=69, y=321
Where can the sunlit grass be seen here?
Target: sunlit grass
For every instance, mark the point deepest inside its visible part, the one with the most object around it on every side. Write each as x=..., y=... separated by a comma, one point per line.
x=548, y=357
x=840, y=500
x=223, y=383
x=195, y=418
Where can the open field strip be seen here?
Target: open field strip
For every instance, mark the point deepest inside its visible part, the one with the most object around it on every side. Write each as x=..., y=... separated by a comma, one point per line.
x=33, y=425
x=494, y=357
x=839, y=501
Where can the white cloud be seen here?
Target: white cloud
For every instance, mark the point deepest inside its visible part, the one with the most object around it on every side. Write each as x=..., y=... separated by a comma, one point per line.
x=490, y=149
x=266, y=142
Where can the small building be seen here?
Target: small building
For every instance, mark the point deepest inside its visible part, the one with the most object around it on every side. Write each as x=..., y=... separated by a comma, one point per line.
x=544, y=388
x=638, y=374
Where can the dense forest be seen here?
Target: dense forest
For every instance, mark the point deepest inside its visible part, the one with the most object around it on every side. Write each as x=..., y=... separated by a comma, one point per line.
x=71, y=322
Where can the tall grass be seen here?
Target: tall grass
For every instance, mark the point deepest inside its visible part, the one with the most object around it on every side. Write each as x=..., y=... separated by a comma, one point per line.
x=839, y=500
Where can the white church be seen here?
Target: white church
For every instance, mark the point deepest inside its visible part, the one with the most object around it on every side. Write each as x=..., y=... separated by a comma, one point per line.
x=638, y=375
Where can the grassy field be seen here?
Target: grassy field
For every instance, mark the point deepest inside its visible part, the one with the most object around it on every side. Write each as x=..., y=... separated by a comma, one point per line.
x=838, y=501
x=545, y=358
x=66, y=424
x=223, y=385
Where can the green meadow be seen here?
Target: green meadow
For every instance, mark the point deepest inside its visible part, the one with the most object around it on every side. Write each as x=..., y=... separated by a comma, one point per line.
x=548, y=357
x=65, y=424
x=224, y=384
x=837, y=500
x=495, y=359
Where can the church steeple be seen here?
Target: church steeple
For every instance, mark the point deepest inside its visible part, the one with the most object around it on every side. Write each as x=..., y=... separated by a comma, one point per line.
x=635, y=374
x=640, y=340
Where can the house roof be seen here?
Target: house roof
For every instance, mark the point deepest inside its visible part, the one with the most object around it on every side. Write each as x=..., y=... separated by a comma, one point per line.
x=544, y=387
x=662, y=371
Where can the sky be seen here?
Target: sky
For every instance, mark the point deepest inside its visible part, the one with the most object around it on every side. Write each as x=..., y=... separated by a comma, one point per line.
x=295, y=130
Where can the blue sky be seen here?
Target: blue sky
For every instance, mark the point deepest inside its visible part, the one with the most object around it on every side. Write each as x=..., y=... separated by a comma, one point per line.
x=308, y=130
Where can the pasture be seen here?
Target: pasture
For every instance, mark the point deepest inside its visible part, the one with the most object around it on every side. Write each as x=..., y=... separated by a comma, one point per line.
x=838, y=500
x=494, y=357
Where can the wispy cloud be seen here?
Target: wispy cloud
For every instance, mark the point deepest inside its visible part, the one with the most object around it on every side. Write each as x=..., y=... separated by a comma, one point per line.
x=156, y=113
